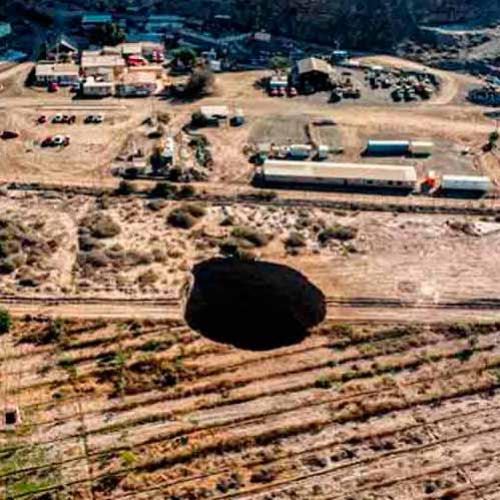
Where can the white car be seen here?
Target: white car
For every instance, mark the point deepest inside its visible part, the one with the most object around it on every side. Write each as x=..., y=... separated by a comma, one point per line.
x=98, y=118
x=60, y=140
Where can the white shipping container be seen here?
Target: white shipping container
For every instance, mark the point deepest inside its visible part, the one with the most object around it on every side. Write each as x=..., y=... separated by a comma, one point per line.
x=465, y=183
x=421, y=148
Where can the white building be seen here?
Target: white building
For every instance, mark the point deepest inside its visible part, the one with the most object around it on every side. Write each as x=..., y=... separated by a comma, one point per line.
x=50, y=72
x=93, y=88
x=339, y=174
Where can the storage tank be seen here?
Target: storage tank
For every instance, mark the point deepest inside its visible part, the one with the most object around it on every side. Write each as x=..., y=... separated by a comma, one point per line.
x=387, y=148
x=299, y=150
x=476, y=184
x=421, y=148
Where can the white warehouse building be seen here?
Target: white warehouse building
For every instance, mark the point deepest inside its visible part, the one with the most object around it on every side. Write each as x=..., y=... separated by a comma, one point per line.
x=339, y=174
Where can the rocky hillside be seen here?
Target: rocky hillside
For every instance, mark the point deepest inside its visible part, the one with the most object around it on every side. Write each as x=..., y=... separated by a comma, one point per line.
x=358, y=23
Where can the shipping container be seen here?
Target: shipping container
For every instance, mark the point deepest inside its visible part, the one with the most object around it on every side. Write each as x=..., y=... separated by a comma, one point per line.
x=421, y=148
x=387, y=148
x=465, y=183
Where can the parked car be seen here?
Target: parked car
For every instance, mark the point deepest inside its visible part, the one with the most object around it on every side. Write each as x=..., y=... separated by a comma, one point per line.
x=273, y=92
x=42, y=119
x=281, y=92
x=94, y=119
x=60, y=140
x=47, y=142
x=69, y=119
x=9, y=134
x=53, y=87
x=58, y=118
x=292, y=92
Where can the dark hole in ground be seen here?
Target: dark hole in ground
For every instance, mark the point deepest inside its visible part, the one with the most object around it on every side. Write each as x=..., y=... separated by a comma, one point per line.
x=253, y=305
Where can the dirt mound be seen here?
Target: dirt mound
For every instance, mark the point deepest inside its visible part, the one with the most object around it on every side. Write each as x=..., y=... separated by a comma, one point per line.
x=253, y=305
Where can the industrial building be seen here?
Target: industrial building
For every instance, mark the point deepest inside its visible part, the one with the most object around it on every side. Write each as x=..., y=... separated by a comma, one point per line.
x=335, y=175
x=313, y=74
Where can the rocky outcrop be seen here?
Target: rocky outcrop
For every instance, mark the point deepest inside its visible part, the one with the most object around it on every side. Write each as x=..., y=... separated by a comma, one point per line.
x=252, y=304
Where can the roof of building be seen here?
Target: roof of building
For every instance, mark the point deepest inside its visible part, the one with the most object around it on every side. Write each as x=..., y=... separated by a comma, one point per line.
x=5, y=29
x=131, y=48
x=63, y=40
x=314, y=64
x=97, y=18
x=91, y=82
x=214, y=111
x=44, y=69
x=340, y=170
x=165, y=18
x=465, y=178
x=139, y=78
x=95, y=61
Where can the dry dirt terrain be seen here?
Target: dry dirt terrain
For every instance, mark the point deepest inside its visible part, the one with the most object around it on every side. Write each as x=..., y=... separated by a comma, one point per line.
x=146, y=410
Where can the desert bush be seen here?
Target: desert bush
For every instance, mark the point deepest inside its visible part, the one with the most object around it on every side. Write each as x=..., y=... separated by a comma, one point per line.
x=148, y=278
x=95, y=258
x=163, y=190
x=186, y=191
x=125, y=188
x=295, y=240
x=252, y=236
x=135, y=258
x=101, y=226
x=337, y=232
x=186, y=216
x=156, y=205
x=5, y=321
x=181, y=219
x=7, y=266
x=87, y=243
x=9, y=247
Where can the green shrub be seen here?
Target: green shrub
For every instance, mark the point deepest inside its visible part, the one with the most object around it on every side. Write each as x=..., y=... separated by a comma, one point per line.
x=5, y=321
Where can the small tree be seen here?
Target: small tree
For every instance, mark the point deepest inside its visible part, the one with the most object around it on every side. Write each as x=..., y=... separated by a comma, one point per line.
x=5, y=321
x=279, y=63
x=184, y=55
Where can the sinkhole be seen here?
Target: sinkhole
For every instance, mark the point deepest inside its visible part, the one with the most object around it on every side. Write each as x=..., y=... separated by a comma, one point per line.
x=252, y=305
